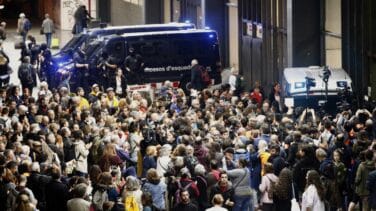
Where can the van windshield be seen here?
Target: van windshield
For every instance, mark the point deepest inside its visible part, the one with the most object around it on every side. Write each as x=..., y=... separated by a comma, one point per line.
x=73, y=43
x=91, y=48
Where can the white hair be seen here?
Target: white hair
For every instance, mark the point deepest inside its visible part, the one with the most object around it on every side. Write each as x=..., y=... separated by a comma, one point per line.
x=35, y=167
x=262, y=145
x=200, y=169
x=25, y=149
x=165, y=150
x=194, y=62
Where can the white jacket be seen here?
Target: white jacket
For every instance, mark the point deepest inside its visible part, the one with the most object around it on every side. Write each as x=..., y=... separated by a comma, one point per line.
x=81, y=156
x=266, y=182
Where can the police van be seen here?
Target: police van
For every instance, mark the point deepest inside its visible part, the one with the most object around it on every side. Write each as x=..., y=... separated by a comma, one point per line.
x=66, y=53
x=314, y=86
x=166, y=55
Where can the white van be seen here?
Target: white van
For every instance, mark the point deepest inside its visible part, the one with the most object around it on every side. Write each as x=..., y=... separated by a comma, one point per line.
x=295, y=82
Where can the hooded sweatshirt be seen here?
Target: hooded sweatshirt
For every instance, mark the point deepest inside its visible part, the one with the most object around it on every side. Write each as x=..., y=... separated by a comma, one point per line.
x=361, y=177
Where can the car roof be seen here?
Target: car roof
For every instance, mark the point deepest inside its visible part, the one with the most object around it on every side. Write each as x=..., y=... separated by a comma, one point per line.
x=110, y=28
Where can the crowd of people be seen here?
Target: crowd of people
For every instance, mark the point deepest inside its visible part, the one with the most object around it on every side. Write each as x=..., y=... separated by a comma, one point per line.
x=203, y=149
x=174, y=151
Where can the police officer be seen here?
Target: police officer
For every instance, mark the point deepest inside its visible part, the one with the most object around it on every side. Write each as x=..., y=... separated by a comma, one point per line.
x=134, y=65
x=101, y=71
x=80, y=77
x=46, y=66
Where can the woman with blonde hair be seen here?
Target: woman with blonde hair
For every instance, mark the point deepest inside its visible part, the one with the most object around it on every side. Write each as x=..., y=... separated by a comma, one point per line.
x=132, y=189
x=263, y=154
x=110, y=158
x=23, y=203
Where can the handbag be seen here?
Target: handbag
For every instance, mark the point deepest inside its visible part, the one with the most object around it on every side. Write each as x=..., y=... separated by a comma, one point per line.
x=70, y=166
x=41, y=31
x=294, y=204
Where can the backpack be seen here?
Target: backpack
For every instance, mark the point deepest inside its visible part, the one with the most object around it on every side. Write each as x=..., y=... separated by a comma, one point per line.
x=131, y=203
x=271, y=189
x=190, y=162
x=99, y=198
x=24, y=74
x=27, y=25
x=205, y=76
x=329, y=189
x=177, y=192
x=238, y=82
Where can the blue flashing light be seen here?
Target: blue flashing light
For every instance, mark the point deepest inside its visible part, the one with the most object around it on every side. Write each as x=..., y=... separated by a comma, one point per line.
x=211, y=35
x=342, y=84
x=207, y=27
x=187, y=21
x=60, y=64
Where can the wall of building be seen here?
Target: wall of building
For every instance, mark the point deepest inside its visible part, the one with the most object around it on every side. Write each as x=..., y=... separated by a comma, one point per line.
x=333, y=37
x=127, y=12
x=233, y=33
x=67, y=9
x=359, y=45
x=306, y=33
x=154, y=11
x=216, y=18
x=167, y=16
x=263, y=41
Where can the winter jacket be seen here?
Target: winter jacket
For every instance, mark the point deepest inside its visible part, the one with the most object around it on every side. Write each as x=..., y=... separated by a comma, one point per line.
x=265, y=187
x=240, y=180
x=361, y=177
x=371, y=186
x=81, y=156
x=157, y=192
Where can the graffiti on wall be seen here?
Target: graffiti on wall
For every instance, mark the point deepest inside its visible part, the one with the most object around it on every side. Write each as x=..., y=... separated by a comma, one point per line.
x=68, y=8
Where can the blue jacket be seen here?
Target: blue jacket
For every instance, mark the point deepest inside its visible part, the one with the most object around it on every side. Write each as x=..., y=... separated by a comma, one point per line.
x=157, y=192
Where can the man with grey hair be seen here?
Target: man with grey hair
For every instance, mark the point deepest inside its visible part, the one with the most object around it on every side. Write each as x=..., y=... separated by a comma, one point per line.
x=78, y=202
x=196, y=80
x=23, y=26
x=48, y=29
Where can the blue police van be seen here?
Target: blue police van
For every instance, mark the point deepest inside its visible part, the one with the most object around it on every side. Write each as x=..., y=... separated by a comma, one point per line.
x=65, y=55
x=166, y=55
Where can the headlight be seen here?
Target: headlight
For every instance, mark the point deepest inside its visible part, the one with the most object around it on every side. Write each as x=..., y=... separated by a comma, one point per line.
x=299, y=85
x=65, y=68
x=342, y=84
